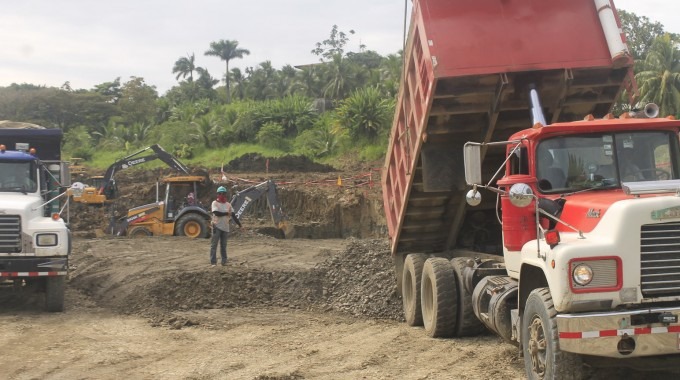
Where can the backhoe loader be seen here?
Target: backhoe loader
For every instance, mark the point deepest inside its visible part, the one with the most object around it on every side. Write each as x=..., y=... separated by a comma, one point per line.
x=179, y=213
x=103, y=188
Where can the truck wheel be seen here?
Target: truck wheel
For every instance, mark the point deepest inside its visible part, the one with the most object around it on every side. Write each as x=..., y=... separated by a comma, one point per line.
x=410, y=288
x=439, y=298
x=540, y=345
x=192, y=225
x=467, y=323
x=54, y=293
x=138, y=232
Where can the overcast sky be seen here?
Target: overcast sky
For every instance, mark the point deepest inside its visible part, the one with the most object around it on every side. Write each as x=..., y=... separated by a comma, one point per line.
x=88, y=42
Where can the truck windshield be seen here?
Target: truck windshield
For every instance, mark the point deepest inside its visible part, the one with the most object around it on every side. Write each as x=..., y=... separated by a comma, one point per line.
x=18, y=176
x=578, y=162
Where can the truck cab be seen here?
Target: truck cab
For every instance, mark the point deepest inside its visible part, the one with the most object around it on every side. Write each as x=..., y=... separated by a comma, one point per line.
x=35, y=241
x=590, y=214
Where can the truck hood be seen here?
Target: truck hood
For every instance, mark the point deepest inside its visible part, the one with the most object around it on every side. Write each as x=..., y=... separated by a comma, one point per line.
x=585, y=210
x=20, y=204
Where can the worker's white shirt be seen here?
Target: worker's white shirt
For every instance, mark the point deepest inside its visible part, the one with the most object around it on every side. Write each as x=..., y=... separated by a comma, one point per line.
x=222, y=222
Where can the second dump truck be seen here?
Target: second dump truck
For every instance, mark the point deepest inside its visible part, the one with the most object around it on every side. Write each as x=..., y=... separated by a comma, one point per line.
x=35, y=241
x=513, y=203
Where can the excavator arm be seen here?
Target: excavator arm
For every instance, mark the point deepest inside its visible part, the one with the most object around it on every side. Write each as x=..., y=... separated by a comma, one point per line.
x=243, y=198
x=133, y=159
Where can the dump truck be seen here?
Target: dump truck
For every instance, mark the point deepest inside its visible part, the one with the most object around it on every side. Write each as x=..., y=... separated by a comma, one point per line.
x=35, y=241
x=511, y=202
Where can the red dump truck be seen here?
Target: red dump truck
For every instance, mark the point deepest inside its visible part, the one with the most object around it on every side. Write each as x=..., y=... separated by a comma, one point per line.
x=512, y=201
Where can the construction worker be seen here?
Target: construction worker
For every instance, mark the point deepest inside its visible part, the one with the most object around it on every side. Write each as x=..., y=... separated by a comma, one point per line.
x=221, y=210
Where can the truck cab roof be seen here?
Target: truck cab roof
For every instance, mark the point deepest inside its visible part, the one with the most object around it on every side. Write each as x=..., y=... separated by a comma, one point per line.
x=16, y=156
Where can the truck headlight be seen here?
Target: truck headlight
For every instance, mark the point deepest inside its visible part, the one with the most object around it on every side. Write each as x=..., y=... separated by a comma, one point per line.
x=582, y=274
x=46, y=240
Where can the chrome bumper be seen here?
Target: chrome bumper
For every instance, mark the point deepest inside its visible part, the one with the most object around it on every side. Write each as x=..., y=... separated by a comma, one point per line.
x=614, y=335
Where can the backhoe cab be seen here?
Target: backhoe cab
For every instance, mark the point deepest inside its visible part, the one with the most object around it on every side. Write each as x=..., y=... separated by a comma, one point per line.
x=179, y=213
x=103, y=188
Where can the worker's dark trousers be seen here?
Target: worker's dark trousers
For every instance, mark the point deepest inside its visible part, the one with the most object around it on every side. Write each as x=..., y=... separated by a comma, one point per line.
x=218, y=236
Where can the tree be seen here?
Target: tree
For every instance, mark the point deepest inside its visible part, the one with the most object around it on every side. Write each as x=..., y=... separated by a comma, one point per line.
x=390, y=73
x=308, y=82
x=239, y=82
x=111, y=90
x=333, y=46
x=262, y=81
x=338, y=71
x=185, y=67
x=640, y=33
x=138, y=101
x=206, y=129
x=659, y=77
x=226, y=50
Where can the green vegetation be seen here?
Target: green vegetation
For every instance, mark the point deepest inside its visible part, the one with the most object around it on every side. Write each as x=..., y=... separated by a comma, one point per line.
x=342, y=105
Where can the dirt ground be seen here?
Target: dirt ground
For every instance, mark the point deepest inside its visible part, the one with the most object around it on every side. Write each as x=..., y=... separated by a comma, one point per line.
x=320, y=306
x=281, y=309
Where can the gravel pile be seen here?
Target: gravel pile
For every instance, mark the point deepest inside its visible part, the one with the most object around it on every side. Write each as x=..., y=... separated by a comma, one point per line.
x=361, y=281
x=358, y=281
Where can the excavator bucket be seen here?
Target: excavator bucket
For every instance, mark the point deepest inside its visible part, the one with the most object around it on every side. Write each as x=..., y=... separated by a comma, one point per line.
x=287, y=229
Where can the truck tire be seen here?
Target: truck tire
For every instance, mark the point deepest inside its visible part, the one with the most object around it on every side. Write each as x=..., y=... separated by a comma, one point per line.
x=467, y=323
x=54, y=293
x=540, y=344
x=439, y=298
x=138, y=232
x=410, y=288
x=192, y=225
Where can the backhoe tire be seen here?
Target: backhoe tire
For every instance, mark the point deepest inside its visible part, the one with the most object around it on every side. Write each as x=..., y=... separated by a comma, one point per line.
x=139, y=232
x=467, y=323
x=439, y=298
x=410, y=288
x=54, y=293
x=543, y=358
x=192, y=225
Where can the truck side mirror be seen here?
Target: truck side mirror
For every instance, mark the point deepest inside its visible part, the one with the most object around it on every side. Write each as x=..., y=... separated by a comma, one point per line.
x=472, y=156
x=521, y=195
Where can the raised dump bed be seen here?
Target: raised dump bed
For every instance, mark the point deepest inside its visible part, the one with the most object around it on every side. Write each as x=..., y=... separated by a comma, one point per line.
x=468, y=69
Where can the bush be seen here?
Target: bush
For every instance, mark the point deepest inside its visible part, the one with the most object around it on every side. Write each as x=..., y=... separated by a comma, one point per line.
x=271, y=136
x=366, y=113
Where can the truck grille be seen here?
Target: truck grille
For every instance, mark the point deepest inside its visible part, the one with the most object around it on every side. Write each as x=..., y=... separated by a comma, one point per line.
x=10, y=234
x=660, y=259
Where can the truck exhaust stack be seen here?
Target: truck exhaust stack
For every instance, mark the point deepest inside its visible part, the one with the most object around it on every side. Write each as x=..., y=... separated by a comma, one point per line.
x=537, y=115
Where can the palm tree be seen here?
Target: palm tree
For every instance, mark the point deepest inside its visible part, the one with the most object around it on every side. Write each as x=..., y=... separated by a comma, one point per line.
x=339, y=74
x=239, y=82
x=659, y=77
x=206, y=128
x=226, y=50
x=185, y=67
x=262, y=81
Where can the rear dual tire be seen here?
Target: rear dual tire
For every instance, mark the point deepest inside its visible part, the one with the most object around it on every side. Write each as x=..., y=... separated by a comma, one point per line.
x=410, y=288
x=439, y=298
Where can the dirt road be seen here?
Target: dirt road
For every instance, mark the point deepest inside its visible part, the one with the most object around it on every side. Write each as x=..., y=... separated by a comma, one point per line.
x=152, y=308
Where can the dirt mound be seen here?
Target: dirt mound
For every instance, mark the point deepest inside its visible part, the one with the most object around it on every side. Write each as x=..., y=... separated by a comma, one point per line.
x=254, y=162
x=357, y=280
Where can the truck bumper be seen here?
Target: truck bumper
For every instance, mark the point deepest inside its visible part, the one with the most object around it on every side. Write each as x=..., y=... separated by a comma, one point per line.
x=631, y=333
x=33, y=266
